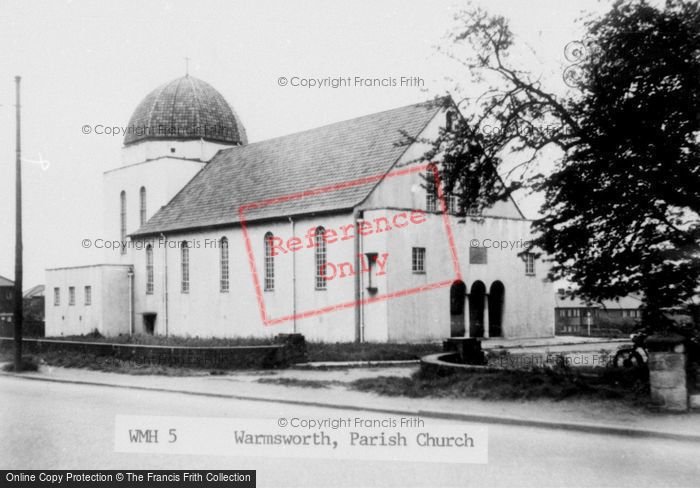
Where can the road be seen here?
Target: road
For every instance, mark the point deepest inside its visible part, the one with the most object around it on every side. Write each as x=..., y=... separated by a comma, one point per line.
x=46, y=425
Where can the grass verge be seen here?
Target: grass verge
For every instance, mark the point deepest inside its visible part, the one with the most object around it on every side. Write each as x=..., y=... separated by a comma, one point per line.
x=155, y=340
x=27, y=364
x=316, y=384
x=351, y=351
x=511, y=385
x=72, y=359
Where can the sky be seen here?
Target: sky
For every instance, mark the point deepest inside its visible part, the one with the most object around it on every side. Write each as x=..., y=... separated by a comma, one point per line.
x=91, y=63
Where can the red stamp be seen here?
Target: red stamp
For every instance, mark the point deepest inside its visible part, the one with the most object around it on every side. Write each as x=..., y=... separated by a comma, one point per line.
x=369, y=264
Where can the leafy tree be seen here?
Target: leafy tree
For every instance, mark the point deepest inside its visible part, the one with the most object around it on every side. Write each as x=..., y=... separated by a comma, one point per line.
x=622, y=206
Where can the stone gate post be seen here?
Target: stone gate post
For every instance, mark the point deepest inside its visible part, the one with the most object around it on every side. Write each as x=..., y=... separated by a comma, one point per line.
x=667, y=372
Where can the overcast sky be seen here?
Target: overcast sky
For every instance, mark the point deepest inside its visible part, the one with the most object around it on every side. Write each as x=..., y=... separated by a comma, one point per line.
x=92, y=62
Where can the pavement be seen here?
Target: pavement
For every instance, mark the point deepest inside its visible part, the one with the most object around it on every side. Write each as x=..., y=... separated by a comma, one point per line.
x=46, y=425
x=602, y=417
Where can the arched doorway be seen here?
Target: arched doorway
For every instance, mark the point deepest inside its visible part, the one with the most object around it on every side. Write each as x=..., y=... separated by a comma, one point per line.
x=496, y=301
x=458, y=293
x=477, y=298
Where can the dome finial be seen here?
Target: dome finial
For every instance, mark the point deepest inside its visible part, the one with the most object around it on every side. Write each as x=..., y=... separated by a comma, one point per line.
x=187, y=66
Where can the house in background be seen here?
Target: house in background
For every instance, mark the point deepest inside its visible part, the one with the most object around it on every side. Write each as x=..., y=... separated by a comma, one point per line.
x=7, y=294
x=575, y=316
x=34, y=303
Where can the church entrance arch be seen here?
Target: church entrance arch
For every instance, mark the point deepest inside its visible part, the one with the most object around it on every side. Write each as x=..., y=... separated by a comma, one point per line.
x=458, y=294
x=496, y=303
x=477, y=300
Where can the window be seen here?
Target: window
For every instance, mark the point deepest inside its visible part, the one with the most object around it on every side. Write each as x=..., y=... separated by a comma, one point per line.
x=149, y=270
x=56, y=297
x=453, y=204
x=185, y=268
x=142, y=205
x=431, y=196
x=269, y=263
x=432, y=202
x=223, y=279
x=122, y=220
x=418, y=260
x=71, y=295
x=449, y=121
x=88, y=295
x=477, y=255
x=529, y=264
x=320, y=258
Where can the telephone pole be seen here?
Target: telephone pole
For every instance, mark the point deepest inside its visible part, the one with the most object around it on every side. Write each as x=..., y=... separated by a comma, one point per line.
x=18, y=238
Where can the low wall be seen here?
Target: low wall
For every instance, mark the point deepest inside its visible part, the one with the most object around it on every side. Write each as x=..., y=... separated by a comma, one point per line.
x=445, y=363
x=290, y=348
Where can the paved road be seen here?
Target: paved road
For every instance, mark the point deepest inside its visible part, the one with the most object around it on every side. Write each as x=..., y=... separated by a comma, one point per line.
x=47, y=425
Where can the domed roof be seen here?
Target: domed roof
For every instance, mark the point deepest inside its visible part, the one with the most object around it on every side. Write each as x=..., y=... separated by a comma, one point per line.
x=183, y=109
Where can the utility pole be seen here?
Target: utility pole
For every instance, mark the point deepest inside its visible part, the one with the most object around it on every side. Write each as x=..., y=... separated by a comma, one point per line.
x=18, y=238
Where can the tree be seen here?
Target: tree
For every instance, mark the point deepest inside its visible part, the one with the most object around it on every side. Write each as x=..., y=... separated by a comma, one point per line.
x=622, y=206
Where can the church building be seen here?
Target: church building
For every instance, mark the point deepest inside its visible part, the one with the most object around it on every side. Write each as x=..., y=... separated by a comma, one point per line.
x=331, y=232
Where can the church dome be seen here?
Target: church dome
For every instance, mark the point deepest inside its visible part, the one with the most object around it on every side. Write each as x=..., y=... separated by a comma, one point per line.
x=185, y=109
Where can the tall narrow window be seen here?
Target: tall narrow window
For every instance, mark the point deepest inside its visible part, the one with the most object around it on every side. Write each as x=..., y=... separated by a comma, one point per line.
x=56, y=297
x=529, y=264
x=452, y=204
x=269, y=263
x=320, y=258
x=149, y=270
x=88, y=295
x=449, y=121
x=122, y=220
x=71, y=295
x=418, y=260
x=431, y=195
x=224, y=265
x=142, y=205
x=185, y=268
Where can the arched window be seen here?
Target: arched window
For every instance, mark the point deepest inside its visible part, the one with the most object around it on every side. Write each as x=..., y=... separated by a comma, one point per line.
x=449, y=120
x=224, y=265
x=269, y=263
x=185, y=268
x=149, y=270
x=320, y=258
x=142, y=204
x=122, y=220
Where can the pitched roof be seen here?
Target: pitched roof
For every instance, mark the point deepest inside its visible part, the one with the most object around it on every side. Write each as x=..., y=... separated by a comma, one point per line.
x=621, y=303
x=34, y=291
x=333, y=154
x=5, y=282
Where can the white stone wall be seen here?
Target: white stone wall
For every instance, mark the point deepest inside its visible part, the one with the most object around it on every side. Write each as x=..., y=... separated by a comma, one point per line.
x=528, y=304
x=161, y=178
x=206, y=311
x=108, y=310
x=149, y=150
